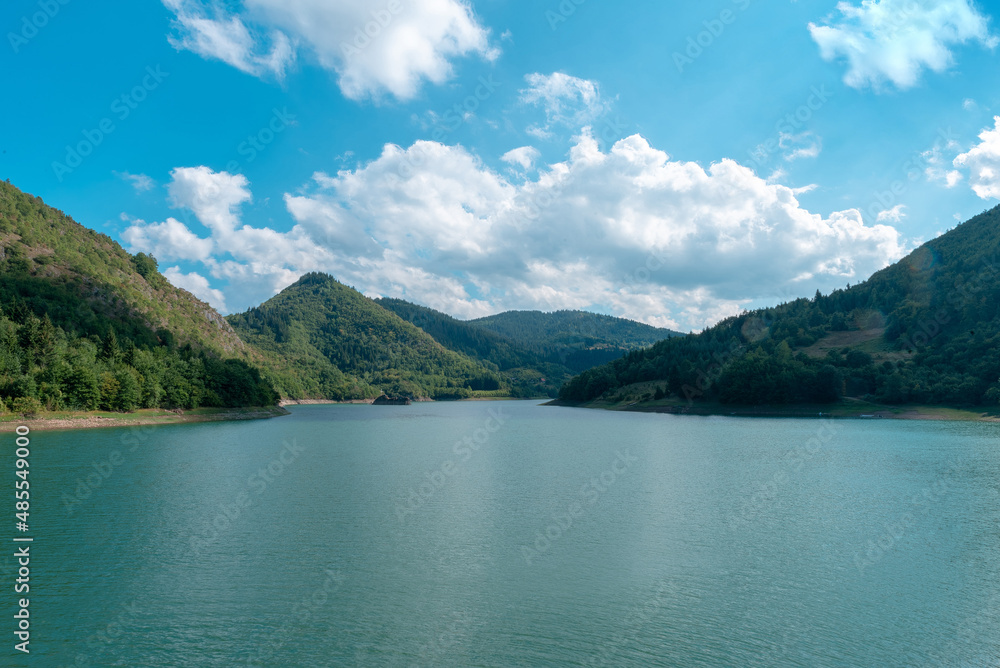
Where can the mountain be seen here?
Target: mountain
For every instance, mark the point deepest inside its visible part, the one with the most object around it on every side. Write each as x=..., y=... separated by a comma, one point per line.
x=924, y=330
x=575, y=339
x=333, y=342
x=529, y=370
x=84, y=324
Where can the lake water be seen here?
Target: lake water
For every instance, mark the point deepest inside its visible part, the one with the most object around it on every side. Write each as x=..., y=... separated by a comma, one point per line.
x=512, y=534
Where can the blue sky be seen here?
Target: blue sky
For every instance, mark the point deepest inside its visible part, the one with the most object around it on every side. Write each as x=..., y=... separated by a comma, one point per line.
x=668, y=162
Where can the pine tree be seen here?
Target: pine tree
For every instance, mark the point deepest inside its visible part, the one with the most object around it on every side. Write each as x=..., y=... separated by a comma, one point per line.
x=110, y=350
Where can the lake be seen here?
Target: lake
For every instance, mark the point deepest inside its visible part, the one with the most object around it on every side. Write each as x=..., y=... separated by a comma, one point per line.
x=513, y=534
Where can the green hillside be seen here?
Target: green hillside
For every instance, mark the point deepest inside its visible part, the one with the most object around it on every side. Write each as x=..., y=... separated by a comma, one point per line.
x=529, y=371
x=339, y=344
x=925, y=330
x=85, y=325
x=575, y=339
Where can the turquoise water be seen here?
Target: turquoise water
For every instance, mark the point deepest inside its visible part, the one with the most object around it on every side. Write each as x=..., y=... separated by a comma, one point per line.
x=448, y=535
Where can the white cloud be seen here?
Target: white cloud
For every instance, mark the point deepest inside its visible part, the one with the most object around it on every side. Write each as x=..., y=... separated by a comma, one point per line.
x=567, y=101
x=627, y=231
x=937, y=169
x=170, y=240
x=983, y=163
x=140, y=182
x=969, y=104
x=895, y=214
x=197, y=285
x=524, y=157
x=260, y=261
x=214, y=34
x=895, y=40
x=803, y=145
x=776, y=176
x=374, y=48
x=214, y=197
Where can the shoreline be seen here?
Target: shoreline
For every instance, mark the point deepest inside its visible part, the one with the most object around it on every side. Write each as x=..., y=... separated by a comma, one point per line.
x=320, y=402
x=323, y=402
x=845, y=409
x=70, y=420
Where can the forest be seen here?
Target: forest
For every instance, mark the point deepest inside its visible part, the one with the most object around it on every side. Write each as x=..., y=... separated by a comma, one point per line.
x=85, y=325
x=331, y=339
x=924, y=330
x=65, y=367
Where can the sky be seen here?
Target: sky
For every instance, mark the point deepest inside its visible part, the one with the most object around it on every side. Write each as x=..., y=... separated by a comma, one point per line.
x=669, y=162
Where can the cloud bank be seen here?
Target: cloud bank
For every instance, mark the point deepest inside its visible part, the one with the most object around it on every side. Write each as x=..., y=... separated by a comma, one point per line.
x=628, y=231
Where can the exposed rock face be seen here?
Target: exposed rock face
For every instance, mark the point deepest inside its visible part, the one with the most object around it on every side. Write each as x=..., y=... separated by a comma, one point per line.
x=385, y=400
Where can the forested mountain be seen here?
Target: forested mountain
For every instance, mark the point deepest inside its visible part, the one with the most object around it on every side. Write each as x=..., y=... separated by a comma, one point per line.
x=84, y=324
x=342, y=345
x=924, y=330
x=529, y=370
x=575, y=339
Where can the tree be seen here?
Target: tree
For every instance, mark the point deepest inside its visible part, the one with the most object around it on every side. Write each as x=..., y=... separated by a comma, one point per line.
x=110, y=350
x=129, y=391
x=146, y=266
x=27, y=407
x=109, y=387
x=82, y=390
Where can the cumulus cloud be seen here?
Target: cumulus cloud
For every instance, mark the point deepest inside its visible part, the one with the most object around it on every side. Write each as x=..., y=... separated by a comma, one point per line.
x=567, y=101
x=524, y=157
x=983, y=163
x=214, y=197
x=895, y=40
x=374, y=48
x=628, y=231
x=255, y=263
x=170, y=240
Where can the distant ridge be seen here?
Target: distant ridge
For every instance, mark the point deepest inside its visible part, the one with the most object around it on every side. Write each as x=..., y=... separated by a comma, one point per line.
x=577, y=339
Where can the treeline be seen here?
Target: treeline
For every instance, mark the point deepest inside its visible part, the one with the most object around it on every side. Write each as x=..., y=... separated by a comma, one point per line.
x=569, y=327
x=43, y=366
x=933, y=319
x=59, y=352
